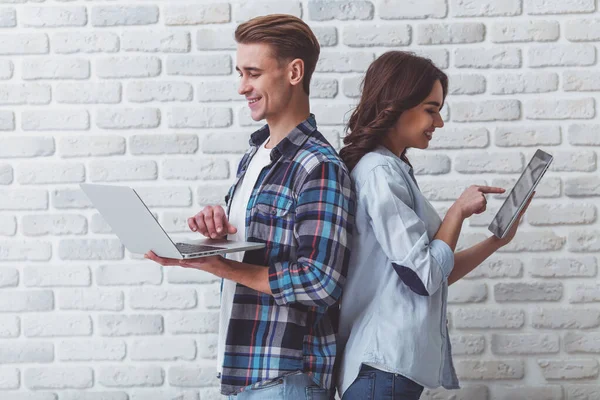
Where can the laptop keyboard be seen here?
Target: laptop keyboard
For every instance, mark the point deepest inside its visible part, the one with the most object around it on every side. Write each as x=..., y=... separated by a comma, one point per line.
x=186, y=248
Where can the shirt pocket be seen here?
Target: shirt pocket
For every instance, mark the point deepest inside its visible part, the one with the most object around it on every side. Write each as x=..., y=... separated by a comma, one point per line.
x=274, y=206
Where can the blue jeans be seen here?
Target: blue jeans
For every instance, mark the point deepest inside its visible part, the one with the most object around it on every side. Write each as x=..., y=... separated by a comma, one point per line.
x=374, y=384
x=291, y=387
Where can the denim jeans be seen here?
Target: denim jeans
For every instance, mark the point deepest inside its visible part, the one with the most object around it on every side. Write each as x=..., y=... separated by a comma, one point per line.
x=291, y=387
x=374, y=384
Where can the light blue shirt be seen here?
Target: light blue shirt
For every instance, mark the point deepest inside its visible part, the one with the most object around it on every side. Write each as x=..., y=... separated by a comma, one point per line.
x=393, y=312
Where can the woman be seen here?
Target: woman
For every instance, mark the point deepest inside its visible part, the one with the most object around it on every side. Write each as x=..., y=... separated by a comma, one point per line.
x=393, y=313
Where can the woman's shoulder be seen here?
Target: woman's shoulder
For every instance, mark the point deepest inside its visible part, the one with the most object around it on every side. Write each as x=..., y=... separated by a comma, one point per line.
x=379, y=163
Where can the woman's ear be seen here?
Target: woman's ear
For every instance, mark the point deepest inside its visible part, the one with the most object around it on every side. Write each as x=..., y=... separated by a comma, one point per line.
x=296, y=71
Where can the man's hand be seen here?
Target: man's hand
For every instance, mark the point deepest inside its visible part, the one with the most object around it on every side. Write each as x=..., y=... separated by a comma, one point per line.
x=212, y=222
x=210, y=264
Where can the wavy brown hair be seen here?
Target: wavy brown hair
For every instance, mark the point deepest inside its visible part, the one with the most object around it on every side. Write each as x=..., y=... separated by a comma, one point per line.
x=395, y=82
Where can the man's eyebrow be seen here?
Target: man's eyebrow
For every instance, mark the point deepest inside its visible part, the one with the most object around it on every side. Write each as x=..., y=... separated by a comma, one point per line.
x=249, y=69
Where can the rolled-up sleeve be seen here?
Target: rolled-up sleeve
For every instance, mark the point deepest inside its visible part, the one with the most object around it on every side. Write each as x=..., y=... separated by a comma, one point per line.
x=322, y=229
x=423, y=265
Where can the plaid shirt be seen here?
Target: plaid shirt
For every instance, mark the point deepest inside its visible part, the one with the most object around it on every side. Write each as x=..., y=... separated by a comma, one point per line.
x=302, y=208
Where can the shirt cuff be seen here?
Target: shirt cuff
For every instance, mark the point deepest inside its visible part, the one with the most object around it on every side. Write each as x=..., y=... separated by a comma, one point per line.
x=443, y=254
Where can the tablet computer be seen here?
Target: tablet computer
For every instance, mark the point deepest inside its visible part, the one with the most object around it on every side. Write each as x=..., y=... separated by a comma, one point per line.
x=520, y=193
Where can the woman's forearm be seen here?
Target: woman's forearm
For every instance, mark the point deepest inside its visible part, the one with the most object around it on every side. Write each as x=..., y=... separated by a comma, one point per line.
x=467, y=260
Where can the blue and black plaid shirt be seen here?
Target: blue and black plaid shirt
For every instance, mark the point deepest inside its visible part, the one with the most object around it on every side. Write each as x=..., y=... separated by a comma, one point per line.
x=302, y=208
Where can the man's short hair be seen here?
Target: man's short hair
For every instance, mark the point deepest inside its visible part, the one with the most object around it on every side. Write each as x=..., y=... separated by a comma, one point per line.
x=288, y=36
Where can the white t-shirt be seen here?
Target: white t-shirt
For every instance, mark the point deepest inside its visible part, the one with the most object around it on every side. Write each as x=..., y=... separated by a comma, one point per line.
x=237, y=218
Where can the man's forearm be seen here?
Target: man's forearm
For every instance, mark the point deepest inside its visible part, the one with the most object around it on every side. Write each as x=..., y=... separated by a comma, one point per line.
x=253, y=276
x=467, y=260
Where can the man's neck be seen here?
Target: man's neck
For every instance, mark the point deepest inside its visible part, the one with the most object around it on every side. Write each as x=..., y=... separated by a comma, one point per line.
x=281, y=125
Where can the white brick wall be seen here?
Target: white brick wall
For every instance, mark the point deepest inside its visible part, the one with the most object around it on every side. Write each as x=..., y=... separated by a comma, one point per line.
x=145, y=94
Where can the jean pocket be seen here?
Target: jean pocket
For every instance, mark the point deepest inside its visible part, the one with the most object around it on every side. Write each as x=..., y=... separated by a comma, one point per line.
x=363, y=387
x=317, y=393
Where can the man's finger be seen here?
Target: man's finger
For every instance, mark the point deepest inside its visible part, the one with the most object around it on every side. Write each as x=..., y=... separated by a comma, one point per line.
x=219, y=219
x=192, y=224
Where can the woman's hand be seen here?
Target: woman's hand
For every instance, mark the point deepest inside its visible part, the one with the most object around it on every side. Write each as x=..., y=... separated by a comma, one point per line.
x=473, y=201
x=515, y=226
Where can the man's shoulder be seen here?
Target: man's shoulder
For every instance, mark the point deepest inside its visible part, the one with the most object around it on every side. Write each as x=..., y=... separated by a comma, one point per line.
x=317, y=150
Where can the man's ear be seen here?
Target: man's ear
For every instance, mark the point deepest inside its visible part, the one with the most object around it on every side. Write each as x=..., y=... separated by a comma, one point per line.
x=296, y=71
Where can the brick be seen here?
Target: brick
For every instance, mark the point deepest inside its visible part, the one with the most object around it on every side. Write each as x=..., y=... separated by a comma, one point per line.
x=53, y=224
x=88, y=93
x=53, y=17
x=210, y=296
x=585, y=293
x=91, y=350
x=483, y=57
x=430, y=164
x=56, y=276
x=471, y=392
x=128, y=325
x=7, y=121
x=192, y=322
x=334, y=114
x=200, y=117
x=568, y=369
x=571, y=267
x=334, y=61
x=161, y=299
x=540, y=82
x=584, y=240
x=24, y=199
x=175, y=222
x=142, y=92
x=486, y=110
x=549, y=187
x=90, y=249
x=27, y=352
x=157, y=196
x=467, y=344
x=163, y=349
x=320, y=10
x=57, y=325
x=25, y=251
x=582, y=30
x=511, y=292
x=51, y=172
x=207, y=346
x=84, y=42
x=488, y=318
x=441, y=190
x=188, y=275
x=565, y=318
x=219, y=90
x=129, y=274
x=439, y=57
x=24, y=93
x=24, y=43
x=463, y=138
x=55, y=120
x=550, y=392
x=26, y=146
x=130, y=376
x=524, y=344
x=582, y=392
x=195, y=14
x=10, y=378
x=456, y=33
x=526, y=136
x=323, y=88
x=561, y=55
x=466, y=84
x=128, y=118
x=225, y=143
x=546, y=7
x=560, y=109
x=576, y=342
x=326, y=35
x=70, y=198
x=9, y=277
x=583, y=161
x=412, y=9
x=581, y=81
x=527, y=31
x=192, y=376
x=584, y=186
x=561, y=214
x=6, y=174
x=122, y=170
x=10, y=327
x=95, y=145
x=156, y=41
x=489, y=162
x=99, y=225
x=467, y=292
x=6, y=69
x=493, y=370
x=128, y=67
x=31, y=395
x=485, y=8
x=215, y=39
x=91, y=300
x=368, y=35
x=199, y=65
x=163, y=144
x=8, y=18
x=534, y=241
x=124, y=15
x=160, y=394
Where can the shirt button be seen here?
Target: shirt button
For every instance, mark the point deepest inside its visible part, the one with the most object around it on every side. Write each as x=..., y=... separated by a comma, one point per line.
x=273, y=212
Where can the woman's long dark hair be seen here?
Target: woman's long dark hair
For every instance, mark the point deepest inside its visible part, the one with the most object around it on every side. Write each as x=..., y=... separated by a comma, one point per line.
x=395, y=82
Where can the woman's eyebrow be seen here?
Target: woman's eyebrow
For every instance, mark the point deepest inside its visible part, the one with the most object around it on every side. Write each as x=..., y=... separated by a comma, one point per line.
x=433, y=103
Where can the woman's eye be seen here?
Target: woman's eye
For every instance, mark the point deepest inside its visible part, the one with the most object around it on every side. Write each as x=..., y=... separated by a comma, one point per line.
x=432, y=111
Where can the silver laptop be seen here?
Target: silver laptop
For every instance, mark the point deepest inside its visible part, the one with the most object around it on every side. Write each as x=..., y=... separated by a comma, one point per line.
x=130, y=219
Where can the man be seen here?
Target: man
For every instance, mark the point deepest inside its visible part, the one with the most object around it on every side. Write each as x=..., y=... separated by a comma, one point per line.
x=292, y=192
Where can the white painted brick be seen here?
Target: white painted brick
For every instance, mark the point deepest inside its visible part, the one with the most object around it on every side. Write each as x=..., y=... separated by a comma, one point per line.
x=534, y=241
x=412, y=9
x=55, y=120
x=529, y=82
x=584, y=240
x=493, y=370
x=9, y=378
x=520, y=136
x=561, y=214
x=163, y=349
x=244, y=119
x=188, y=275
x=440, y=57
x=560, y=109
x=568, y=369
x=211, y=297
x=485, y=57
x=581, y=81
x=8, y=17
x=195, y=169
x=122, y=170
x=192, y=376
x=157, y=196
x=377, y=35
x=219, y=90
x=156, y=41
x=199, y=65
x=585, y=293
x=565, y=318
x=488, y=318
x=460, y=138
x=70, y=198
x=88, y=93
x=561, y=55
x=30, y=395
x=470, y=392
x=10, y=327
x=6, y=174
x=326, y=35
x=84, y=42
x=91, y=350
x=456, y=33
x=467, y=292
x=333, y=114
x=503, y=163
x=6, y=69
x=161, y=299
x=352, y=86
x=24, y=199
x=550, y=392
x=200, y=117
x=545, y=7
x=335, y=61
x=24, y=93
x=56, y=276
x=142, y=92
x=510, y=292
x=95, y=145
x=440, y=190
x=549, y=187
x=172, y=393
x=211, y=194
x=321, y=10
x=192, y=322
x=163, y=144
x=9, y=277
x=52, y=325
x=128, y=325
x=466, y=84
x=323, y=88
x=582, y=186
x=207, y=346
x=124, y=15
x=582, y=392
x=225, y=143
x=571, y=267
x=215, y=39
x=90, y=249
x=430, y=164
x=195, y=14
x=52, y=17
x=7, y=121
x=23, y=43
x=574, y=161
x=128, y=118
x=486, y=110
x=128, y=67
x=129, y=274
x=576, y=342
x=175, y=222
x=27, y=352
x=526, y=31
x=485, y=8
x=467, y=344
x=91, y=300
x=50, y=172
x=25, y=251
x=99, y=225
x=582, y=30
x=129, y=376
x=244, y=11
x=523, y=344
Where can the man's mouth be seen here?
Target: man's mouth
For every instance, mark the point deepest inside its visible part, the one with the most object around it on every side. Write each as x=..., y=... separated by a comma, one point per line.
x=254, y=100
